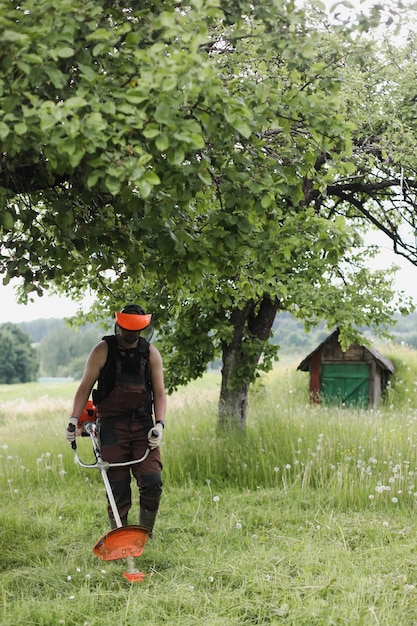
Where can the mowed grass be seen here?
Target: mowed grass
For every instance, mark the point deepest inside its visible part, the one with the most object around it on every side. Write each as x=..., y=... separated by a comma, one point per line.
x=308, y=518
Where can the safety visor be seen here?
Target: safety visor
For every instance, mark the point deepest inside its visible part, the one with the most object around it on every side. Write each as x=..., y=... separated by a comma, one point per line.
x=132, y=321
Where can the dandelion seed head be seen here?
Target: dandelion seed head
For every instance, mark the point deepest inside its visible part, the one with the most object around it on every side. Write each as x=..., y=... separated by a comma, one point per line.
x=216, y=499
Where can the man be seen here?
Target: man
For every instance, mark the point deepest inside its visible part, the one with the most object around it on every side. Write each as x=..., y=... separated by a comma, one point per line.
x=131, y=403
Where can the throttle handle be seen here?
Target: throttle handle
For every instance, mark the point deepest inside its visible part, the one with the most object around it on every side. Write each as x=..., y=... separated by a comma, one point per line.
x=71, y=429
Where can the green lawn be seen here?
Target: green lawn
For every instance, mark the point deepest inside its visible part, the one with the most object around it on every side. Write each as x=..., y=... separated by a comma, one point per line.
x=308, y=519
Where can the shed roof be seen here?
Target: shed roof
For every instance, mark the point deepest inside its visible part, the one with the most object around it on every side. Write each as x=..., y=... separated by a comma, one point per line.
x=379, y=358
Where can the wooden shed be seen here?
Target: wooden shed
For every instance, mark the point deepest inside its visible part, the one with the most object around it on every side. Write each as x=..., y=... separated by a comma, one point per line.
x=356, y=377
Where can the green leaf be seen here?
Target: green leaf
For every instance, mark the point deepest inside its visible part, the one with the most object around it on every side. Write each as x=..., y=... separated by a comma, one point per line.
x=242, y=128
x=151, y=131
x=176, y=156
x=65, y=52
x=89, y=72
x=93, y=178
x=204, y=176
x=164, y=114
x=145, y=188
x=112, y=184
x=136, y=96
x=7, y=220
x=101, y=34
x=167, y=19
x=76, y=102
x=76, y=157
x=170, y=82
x=56, y=77
x=162, y=142
x=4, y=130
x=68, y=145
x=13, y=36
x=152, y=178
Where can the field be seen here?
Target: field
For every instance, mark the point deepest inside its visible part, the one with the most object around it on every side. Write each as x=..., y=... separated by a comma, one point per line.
x=309, y=518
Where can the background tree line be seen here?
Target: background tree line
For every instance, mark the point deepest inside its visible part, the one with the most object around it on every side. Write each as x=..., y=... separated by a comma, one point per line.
x=45, y=348
x=51, y=348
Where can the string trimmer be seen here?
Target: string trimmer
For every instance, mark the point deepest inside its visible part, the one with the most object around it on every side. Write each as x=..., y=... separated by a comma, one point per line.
x=123, y=542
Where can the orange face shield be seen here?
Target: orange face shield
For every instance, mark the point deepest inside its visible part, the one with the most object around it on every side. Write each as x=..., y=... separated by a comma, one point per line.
x=132, y=321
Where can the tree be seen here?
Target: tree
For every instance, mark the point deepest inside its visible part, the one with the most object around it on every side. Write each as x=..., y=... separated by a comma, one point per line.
x=208, y=158
x=18, y=359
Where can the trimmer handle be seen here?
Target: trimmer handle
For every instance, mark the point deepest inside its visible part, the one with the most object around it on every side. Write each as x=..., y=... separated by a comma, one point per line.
x=71, y=429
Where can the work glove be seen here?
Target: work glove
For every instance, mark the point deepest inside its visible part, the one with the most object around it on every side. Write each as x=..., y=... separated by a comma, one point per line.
x=155, y=436
x=70, y=434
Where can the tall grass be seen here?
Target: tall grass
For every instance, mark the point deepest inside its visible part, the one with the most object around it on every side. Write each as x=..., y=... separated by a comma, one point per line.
x=356, y=455
x=306, y=519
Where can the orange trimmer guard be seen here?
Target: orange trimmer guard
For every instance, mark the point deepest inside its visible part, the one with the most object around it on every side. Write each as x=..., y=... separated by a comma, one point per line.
x=121, y=543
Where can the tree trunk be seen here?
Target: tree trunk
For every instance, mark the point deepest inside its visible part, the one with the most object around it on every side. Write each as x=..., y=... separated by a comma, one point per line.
x=233, y=401
x=251, y=330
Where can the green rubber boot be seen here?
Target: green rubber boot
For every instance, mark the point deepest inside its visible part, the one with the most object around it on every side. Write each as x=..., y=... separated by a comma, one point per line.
x=147, y=519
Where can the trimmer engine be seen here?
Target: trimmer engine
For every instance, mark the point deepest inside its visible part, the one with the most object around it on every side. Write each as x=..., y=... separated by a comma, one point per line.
x=89, y=414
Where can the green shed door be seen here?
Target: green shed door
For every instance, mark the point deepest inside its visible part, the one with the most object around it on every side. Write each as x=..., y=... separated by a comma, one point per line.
x=345, y=383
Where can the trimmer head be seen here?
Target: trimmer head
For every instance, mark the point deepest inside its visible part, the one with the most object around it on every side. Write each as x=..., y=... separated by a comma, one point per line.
x=120, y=543
x=135, y=577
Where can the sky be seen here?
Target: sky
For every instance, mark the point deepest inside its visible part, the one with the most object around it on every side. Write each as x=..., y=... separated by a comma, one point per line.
x=60, y=307
x=42, y=308
x=406, y=277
